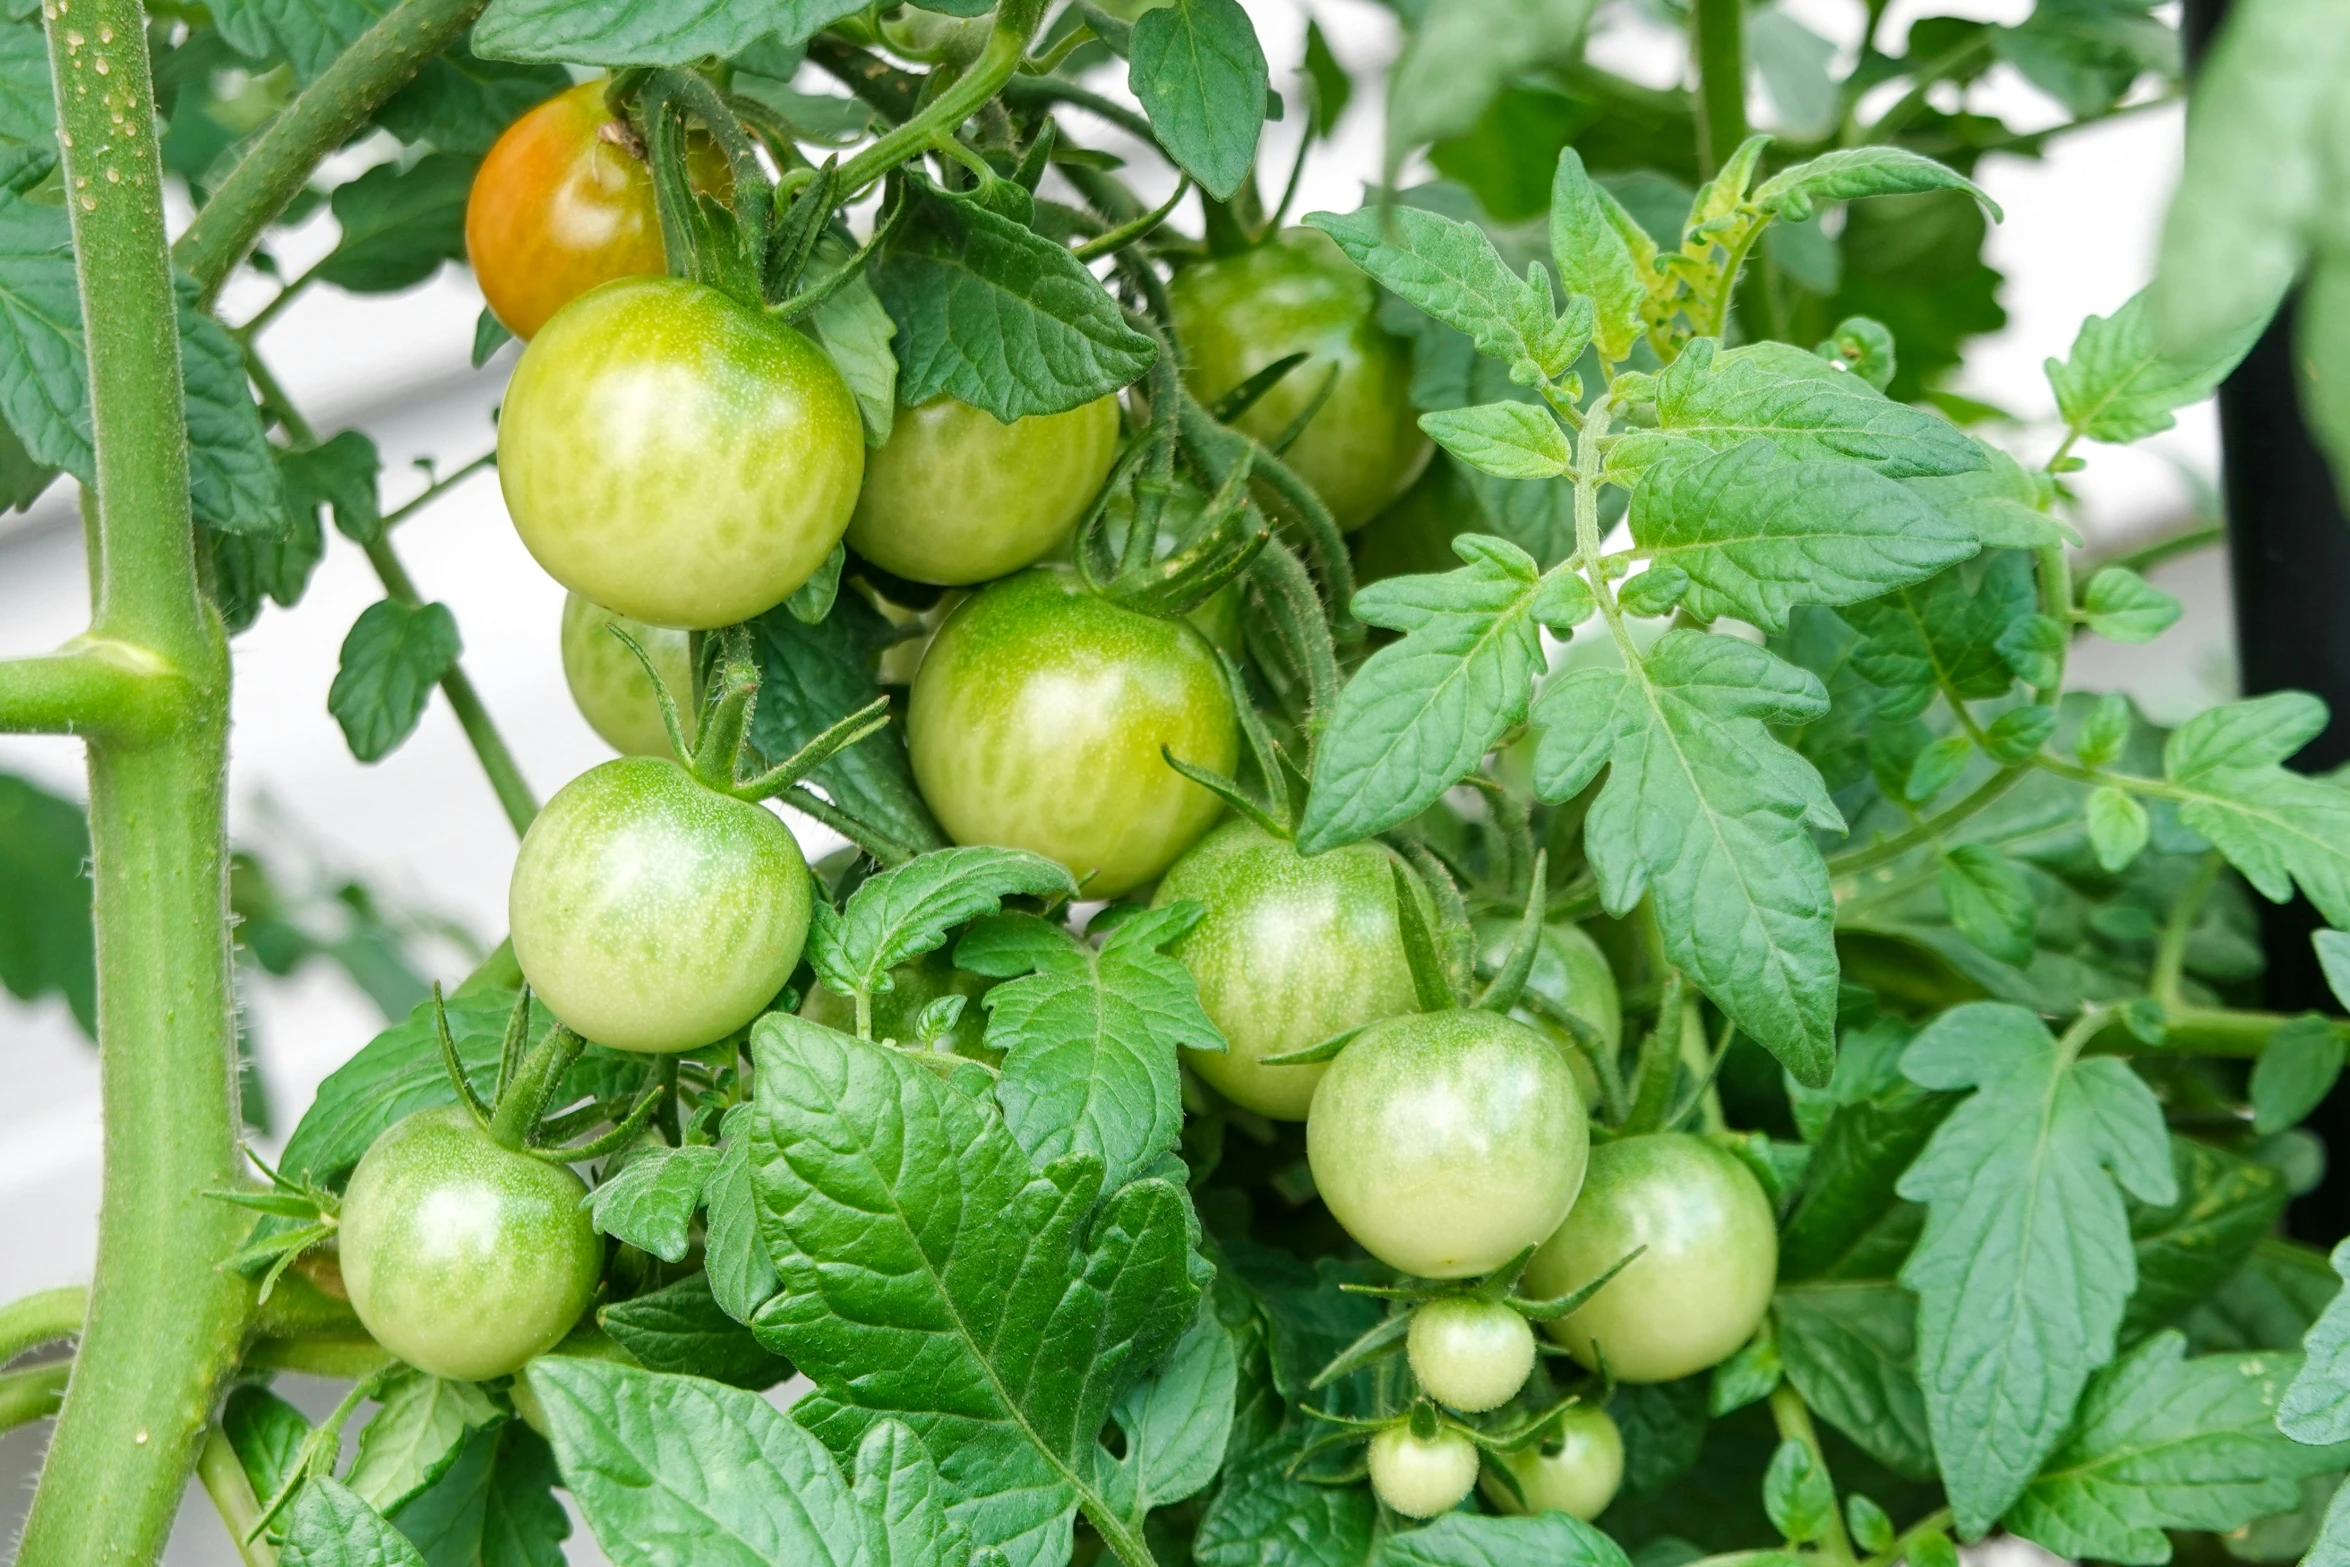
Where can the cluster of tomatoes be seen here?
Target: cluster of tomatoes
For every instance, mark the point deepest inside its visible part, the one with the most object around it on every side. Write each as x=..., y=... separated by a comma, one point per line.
x=681, y=463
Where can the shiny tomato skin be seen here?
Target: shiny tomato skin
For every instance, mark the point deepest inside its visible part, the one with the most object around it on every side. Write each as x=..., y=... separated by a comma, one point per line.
x=676, y=457
x=1448, y=1142
x=1577, y=1470
x=1699, y=1290
x=1297, y=293
x=650, y=913
x=957, y=498
x=1421, y=1479
x=1037, y=719
x=463, y=1258
x=562, y=204
x=611, y=689
x=1290, y=951
x=1572, y=973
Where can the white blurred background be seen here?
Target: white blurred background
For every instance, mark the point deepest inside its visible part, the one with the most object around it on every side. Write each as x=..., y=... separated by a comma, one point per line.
x=421, y=826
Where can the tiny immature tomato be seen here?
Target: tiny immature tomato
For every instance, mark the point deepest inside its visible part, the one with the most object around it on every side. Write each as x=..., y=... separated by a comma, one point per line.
x=464, y=1258
x=1576, y=1471
x=612, y=690
x=1420, y=1479
x=1290, y=951
x=957, y=498
x=652, y=913
x=1702, y=1285
x=1037, y=720
x=1297, y=293
x=1448, y=1142
x=675, y=456
x=564, y=201
x=1471, y=1354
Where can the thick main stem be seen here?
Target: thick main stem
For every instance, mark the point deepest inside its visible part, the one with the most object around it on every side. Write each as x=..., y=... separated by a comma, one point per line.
x=1718, y=40
x=165, y=1320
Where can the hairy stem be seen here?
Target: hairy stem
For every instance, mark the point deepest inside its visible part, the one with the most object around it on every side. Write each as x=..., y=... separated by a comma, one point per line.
x=41, y=1319
x=88, y=687
x=1718, y=40
x=1793, y=1418
x=383, y=59
x=2170, y=953
x=32, y=1394
x=165, y=1320
x=1007, y=46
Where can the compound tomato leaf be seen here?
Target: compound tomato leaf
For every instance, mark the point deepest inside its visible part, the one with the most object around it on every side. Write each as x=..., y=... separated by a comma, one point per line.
x=734, y=1258
x=2277, y=827
x=1705, y=810
x=494, y=1505
x=337, y=476
x=2025, y=1265
x=1450, y=270
x=2316, y=1408
x=631, y=32
x=1176, y=1423
x=1850, y=173
x=2119, y=385
x=1464, y=1540
x=999, y=317
x=1942, y=636
x=905, y=1504
x=399, y=224
x=2165, y=1442
x=650, y=1203
x=327, y=1526
x=1508, y=440
x=1848, y=1222
x=414, y=1437
x=1592, y=259
x=1200, y=75
x=2189, y=1247
x=906, y=911
x=932, y=1274
x=682, y=1329
x=1421, y=713
x=1760, y=532
x=393, y=657
x=266, y=1433
x=1261, y=1517
x=1990, y=902
x=1850, y=1348
x=1090, y=1039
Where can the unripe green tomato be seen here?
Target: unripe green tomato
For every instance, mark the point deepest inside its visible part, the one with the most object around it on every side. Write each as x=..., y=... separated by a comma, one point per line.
x=676, y=456
x=1471, y=1354
x=913, y=986
x=1448, y=1142
x=1578, y=1476
x=651, y=913
x=1037, y=719
x=1290, y=951
x=1297, y=293
x=957, y=498
x=463, y=1258
x=1570, y=971
x=1704, y=1282
x=1421, y=1479
x=612, y=690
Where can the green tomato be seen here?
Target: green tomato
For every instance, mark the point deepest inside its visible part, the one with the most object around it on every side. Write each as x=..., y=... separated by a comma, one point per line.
x=913, y=986
x=612, y=690
x=1037, y=719
x=464, y=1258
x=1569, y=971
x=957, y=498
x=652, y=913
x=1575, y=1471
x=676, y=456
x=1704, y=1282
x=1448, y=1142
x=1290, y=951
x=1420, y=1479
x=1471, y=1354
x=1297, y=293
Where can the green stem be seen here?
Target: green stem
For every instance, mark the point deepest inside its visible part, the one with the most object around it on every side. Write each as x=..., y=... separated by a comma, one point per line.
x=231, y=1490
x=32, y=1394
x=1890, y=123
x=438, y=488
x=89, y=687
x=2200, y=1031
x=1718, y=40
x=1935, y=1522
x=41, y=1319
x=1006, y=47
x=1853, y=861
x=2170, y=953
x=330, y=109
x=2148, y=556
x=1793, y=1418
x=279, y=301
x=166, y=1320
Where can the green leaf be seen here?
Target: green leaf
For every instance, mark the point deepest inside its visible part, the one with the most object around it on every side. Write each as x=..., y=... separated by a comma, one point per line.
x=1798, y=1494
x=2122, y=606
x=742, y=1279
x=2276, y=827
x=1333, y=89
x=855, y=332
x=1747, y=1377
x=267, y=1434
x=2165, y=1442
x=2117, y=385
x=2269, y=1302
x=1851, y=1350
x=932, y=1274
x=811, y=677
x=629, y=32
x=1989, y=901
x=399, y=224
x=395, y=654
x=2034, y=646
x=28, y=110
x=650, y=1204
x=1942, y=636
x=2333, y=957
x=1507, y=440
x=327, y=1526
x=1421, y=713
x=1760, y=532
x=1261, y=1517
x=493, y=1506
x=2118, y=828
x=2189, y=1247
x=338, y=476
x=1850, y=173
x=905, y=912
x=45, y=933
x=1200, y=75
x=1848, y=1222
x=999, y=317
x=2104, y=731
x=414, y=1437
x=1587, y=246
x=1089, y=1042
x=1936, y=767
x=308, y=36
x=2316, y=1407
x=1710, y=815
x=1450, y=270
x=2025, y=1264
x=1462, y=53
x=2017, y=734
x=1805, y=407
x=1466, y=1540
x=1175, y=1422
x=1872, y=1529
x=682, y=1329
x=461, y=102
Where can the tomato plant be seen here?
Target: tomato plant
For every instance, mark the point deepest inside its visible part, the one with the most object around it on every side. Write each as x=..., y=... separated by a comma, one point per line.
x=1541, y=678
